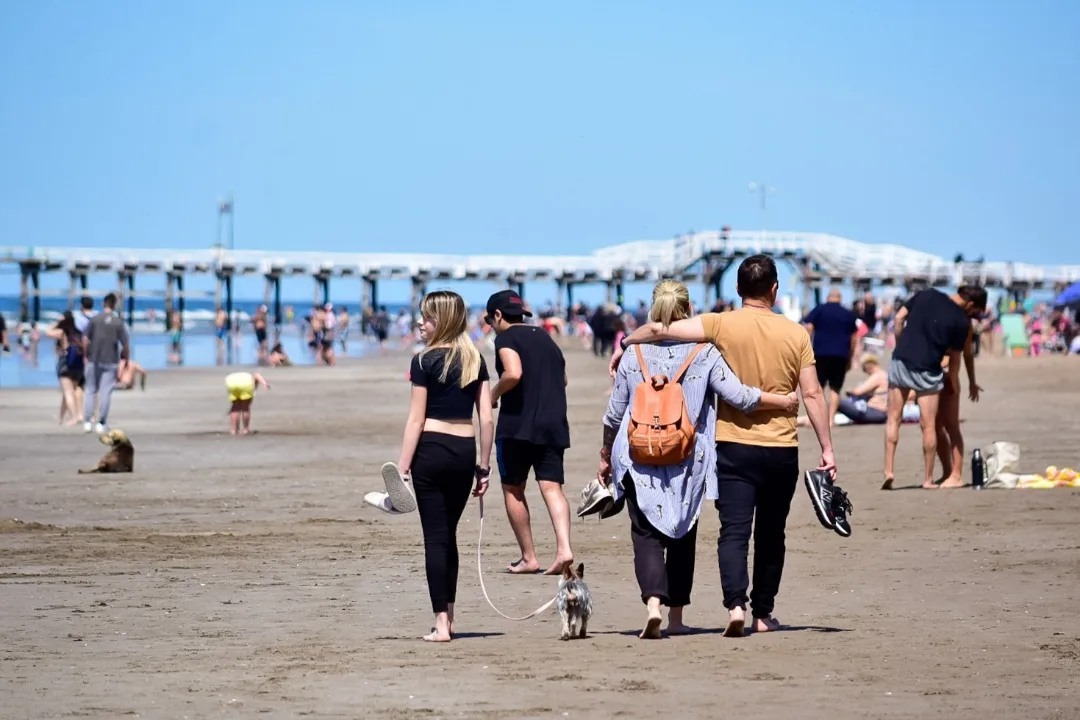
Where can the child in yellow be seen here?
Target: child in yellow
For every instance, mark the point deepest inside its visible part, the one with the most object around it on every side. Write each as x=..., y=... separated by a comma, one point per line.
x=241, y=387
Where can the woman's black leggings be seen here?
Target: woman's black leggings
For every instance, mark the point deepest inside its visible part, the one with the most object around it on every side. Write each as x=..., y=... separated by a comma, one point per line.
x=442, y=475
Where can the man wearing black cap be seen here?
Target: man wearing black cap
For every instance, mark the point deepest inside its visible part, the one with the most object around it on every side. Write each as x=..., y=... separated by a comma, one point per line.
x=532, y=433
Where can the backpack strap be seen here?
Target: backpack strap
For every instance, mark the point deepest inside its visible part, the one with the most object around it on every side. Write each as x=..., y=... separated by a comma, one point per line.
x=682, y=371
x=643, y=364
x=686, y=363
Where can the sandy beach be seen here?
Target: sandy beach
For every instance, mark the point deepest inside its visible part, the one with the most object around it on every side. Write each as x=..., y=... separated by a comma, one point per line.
x=244, y=577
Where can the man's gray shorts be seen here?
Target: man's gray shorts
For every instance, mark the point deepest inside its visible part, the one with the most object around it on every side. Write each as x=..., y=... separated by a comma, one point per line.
x=923, y=382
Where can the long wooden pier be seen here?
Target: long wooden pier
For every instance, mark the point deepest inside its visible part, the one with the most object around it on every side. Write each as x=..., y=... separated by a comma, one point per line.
x=703, y=257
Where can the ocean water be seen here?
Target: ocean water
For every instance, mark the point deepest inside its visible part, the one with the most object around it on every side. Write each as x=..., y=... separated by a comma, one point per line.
x=150, y=344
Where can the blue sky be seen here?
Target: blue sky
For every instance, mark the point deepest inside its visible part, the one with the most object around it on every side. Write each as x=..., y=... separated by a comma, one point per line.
x=493, y=126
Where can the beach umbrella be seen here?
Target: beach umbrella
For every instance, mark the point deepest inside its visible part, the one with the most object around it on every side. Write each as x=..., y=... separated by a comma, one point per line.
x=1069, y=296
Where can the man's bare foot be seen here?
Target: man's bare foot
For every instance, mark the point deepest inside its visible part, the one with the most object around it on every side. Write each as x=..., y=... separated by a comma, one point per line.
x=651, y=630
x=232, y=432
x=559, y=565
x=929, y=485
x=520, y=567
x=766, y=624
x=887, y=485
x=952, y=482
x=245, y=431
x=736, y=622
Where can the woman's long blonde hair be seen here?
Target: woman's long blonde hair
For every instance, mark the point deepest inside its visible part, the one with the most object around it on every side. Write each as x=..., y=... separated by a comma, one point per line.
x=670, y=302
x=448, y=313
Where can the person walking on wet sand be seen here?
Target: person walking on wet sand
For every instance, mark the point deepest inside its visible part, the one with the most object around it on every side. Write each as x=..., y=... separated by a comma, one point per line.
x=532, y=433
x=106, y=345
x=930, y=327
x=757, y=456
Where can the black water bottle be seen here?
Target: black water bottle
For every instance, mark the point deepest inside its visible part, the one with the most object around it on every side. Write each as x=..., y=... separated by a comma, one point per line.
x=978, y=470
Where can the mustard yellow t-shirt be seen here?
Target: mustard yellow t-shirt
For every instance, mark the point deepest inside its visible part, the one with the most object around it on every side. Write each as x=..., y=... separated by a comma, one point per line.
x=765, y=350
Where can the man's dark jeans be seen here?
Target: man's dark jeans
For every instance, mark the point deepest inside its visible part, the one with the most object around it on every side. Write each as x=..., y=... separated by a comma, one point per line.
x=755, y=487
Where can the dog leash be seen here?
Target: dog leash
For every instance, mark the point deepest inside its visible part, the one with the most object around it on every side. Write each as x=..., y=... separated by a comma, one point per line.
x=480, y=573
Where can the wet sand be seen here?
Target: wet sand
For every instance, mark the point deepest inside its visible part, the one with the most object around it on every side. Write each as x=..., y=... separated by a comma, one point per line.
x=244, y=577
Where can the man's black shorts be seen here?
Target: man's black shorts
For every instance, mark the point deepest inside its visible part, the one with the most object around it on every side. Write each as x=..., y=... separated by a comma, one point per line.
x=517, y=457
x=831, y=371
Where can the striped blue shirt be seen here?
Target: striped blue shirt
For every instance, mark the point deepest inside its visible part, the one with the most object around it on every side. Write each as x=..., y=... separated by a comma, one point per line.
x=671, y=496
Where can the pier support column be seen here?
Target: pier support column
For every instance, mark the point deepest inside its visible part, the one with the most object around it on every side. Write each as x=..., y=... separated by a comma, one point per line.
x=569, y=295
x=180, y=296
x=715, y=269
x=810, y=286
x=30, y=293
x=272, y=299
x=370, y=293
x=35, y=280
x=24, y=293
x=169, y=289
x=614, y=291
x=369, y=298
x=226, y=282
x=419, y=290
x=73, y=285
x=322, y=288
x=130, y=299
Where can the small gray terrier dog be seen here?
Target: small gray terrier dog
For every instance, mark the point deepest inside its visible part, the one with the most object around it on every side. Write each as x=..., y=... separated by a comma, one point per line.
x=574, y=602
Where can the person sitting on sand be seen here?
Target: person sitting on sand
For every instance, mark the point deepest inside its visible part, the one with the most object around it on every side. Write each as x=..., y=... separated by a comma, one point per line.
x=278, y=357
x=664, y=502
x=241, y=387
x=867, y=403
x=127, y=372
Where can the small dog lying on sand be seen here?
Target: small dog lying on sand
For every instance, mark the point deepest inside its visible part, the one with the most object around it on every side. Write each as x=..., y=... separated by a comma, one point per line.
x=119, y=459
x=574, y=602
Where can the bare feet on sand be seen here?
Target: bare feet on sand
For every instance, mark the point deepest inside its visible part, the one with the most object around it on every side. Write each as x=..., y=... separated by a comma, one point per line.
x=436, y=636
x=559, y=565
x=765, y=624
x=929, y=485
x=952, y=482
x=442, y=632
x=520, y=567
x=651, y=631
x=675, y=624
x=736, y=622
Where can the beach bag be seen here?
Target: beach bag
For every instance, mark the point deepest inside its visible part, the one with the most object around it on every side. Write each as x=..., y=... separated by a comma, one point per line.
x=1001, y=462
x=661, y=430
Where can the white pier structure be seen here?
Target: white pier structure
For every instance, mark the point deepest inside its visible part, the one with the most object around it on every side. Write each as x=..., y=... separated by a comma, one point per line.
x=703, y=256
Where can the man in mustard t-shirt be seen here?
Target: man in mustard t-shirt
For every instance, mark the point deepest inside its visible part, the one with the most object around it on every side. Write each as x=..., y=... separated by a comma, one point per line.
x=757, y=455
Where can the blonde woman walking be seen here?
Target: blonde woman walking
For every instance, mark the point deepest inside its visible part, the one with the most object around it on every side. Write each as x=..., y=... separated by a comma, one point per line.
x=664, y=502
x=438, y=450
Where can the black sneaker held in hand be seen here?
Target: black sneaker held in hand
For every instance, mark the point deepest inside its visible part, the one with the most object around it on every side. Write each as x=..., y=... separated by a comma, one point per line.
x=830, y=502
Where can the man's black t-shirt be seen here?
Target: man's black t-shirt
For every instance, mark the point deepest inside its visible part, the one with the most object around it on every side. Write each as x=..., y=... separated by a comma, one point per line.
x=535, y=409
x=935, y=325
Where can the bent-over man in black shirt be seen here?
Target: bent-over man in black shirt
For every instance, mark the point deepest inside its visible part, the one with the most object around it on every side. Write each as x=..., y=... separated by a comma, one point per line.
x=532, y=432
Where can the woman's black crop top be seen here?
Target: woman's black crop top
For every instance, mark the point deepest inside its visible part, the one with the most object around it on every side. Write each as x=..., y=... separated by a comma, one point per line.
x=445, y=400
